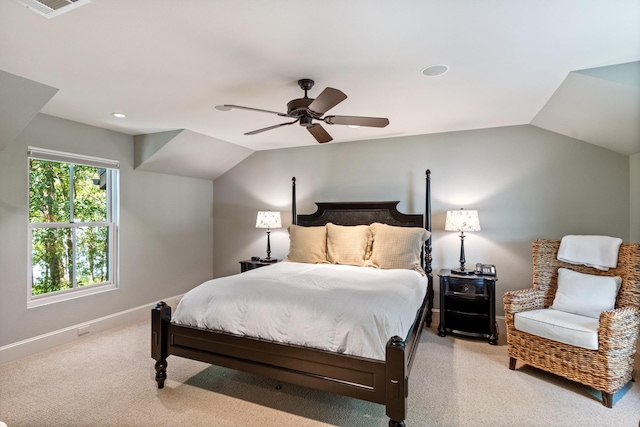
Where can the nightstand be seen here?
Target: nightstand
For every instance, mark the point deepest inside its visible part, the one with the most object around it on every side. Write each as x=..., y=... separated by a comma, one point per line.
x=250, y=265
x=467, y=305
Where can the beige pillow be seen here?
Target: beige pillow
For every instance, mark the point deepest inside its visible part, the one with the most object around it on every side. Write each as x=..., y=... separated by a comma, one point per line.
x=397, y=247
x=348, y=244
x=307, y=244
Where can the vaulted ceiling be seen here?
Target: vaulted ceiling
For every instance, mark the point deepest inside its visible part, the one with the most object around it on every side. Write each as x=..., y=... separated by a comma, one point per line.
x=569, y=66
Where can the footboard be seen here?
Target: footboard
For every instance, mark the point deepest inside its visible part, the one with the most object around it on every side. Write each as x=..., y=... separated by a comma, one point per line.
x=366, y=379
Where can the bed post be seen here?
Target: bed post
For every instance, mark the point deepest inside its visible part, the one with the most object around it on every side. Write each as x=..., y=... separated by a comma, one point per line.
x=160, y=318
x=396, y=382
x=293, y=201
x=427, y=218
x=427, y=255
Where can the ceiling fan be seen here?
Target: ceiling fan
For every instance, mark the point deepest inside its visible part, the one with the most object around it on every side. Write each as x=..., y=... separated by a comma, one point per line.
x=306, y=110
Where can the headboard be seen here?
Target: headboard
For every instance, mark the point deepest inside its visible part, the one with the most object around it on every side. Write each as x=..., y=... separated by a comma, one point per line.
x=358, y=213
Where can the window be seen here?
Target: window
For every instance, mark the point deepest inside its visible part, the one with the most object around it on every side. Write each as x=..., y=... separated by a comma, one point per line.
x=73, y=211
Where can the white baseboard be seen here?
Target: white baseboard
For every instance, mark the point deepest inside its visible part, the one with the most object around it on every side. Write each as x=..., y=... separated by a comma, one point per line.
x=34, y=345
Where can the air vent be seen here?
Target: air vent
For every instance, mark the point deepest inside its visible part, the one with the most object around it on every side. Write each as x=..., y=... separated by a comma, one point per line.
x=51, y=8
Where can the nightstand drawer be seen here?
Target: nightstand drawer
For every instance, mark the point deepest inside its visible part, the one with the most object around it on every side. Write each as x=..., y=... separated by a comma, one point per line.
x=465, y=287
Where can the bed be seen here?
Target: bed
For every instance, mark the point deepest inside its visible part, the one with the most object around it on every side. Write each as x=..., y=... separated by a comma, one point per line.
x=381, y=377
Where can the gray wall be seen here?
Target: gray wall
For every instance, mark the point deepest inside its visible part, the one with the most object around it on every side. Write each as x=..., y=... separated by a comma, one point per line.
x=176, y=232
x=165, y=231
x=525, y=182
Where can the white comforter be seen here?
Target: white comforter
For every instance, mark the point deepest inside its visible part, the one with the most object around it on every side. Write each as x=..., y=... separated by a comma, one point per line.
x=340, y=308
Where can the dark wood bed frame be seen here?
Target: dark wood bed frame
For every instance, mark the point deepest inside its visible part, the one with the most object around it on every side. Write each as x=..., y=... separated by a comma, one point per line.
x=384, y=382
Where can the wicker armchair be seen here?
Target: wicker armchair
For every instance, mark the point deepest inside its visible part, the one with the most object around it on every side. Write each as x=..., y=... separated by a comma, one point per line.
x=607, y=369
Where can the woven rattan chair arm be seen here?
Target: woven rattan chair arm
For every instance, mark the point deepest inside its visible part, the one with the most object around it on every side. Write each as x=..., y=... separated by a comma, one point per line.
x=523, y=300
x=619, y=328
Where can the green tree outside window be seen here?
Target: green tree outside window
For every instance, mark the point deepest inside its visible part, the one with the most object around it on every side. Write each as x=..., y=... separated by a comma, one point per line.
x=70, y=226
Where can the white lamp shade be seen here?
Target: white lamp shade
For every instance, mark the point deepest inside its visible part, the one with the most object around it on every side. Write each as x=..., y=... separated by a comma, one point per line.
x=462, y=220
x=268, y=219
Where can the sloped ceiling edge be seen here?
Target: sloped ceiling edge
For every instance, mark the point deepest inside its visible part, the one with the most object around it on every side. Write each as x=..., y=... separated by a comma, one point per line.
x=187, y=153
x=20, y=101
x=600, y=106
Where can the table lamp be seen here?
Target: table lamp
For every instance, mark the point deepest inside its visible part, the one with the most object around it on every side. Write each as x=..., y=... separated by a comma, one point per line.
x=462, y=221
x=268, y=220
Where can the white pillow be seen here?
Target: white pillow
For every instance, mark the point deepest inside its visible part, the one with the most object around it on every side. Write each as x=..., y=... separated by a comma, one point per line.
x=585, y=294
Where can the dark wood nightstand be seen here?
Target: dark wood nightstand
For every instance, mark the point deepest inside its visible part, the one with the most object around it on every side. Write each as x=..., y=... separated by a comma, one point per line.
x=467, y=305
x=250, y=265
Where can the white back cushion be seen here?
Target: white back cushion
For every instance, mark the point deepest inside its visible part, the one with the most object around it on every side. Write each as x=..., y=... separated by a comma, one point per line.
x=585, y=294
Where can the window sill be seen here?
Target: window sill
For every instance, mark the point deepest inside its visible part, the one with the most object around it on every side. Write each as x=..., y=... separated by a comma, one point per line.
x=39, y=301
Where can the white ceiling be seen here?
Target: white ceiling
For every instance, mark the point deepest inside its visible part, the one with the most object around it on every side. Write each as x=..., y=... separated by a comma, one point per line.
x=167, y=64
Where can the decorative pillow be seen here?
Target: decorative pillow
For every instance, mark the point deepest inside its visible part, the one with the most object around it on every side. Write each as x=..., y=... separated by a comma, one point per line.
x=397, y=247
x=348, y=244
x=585, y=294
x=307, y=244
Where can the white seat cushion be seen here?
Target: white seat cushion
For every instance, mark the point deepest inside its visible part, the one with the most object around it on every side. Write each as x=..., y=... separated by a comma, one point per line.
x=568, y=328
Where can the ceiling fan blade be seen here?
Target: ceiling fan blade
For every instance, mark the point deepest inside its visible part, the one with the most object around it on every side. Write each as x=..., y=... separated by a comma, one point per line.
x=376, y=122
x=328, y=99
x=239, y=107
x=253, y=132
x=319, y=133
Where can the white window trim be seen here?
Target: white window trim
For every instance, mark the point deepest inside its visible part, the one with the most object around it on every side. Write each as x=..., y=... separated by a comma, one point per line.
x=113, y=220
x=78, y=159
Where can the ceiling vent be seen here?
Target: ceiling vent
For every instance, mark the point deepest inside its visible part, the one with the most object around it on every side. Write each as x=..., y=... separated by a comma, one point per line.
x=52, y=8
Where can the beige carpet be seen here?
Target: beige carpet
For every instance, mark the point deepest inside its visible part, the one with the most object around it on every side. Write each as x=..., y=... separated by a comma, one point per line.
x=107, y=380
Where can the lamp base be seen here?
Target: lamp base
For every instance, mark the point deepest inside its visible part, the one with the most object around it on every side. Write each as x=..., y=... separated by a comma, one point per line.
x=463, y=272
x=268, y=259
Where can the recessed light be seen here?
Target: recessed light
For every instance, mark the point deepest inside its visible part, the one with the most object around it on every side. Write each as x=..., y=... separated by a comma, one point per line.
x=119, y=115
x=435, y=70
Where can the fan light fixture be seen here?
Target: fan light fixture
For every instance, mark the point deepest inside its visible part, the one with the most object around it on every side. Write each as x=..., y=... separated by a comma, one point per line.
x=268, y=220
x=305, y=110
x=462, y=221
